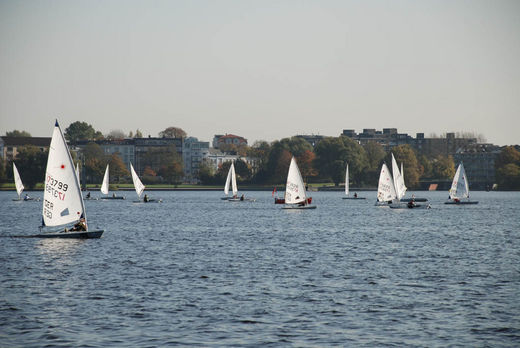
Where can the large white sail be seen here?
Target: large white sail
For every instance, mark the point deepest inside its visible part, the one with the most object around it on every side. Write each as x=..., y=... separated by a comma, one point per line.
x=233, y=180
x=77, y=172
x=385, y=189
x=400, y=189
x=402, y=178
x=138, y=185
x=17, y=181
x=459, y=186
x=104, y=185
x=346, y=181
x=62, y=201
x=228, y=181
x=294, y=189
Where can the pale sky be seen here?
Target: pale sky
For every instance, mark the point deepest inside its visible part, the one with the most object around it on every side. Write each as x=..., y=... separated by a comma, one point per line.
x=262, y=69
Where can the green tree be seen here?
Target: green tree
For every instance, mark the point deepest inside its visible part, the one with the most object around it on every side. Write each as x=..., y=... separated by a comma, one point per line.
x=280, y=157
x=3, y=174
x=31, y=163
x=443, y=167
x=81, y=131
x=206, y=173
x=508, y=155
x=243, y=170
x=375, y=157
x=342, y=149
x=412, y=169
x=17, y=133
x=172, y=172
x=138, y=134
x=173, y=132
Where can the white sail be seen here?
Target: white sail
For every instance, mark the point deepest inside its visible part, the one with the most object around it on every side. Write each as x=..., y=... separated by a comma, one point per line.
x=17, y=181
x=459, y=186
x=294, y=189
x=77, y=173
x=346, y=181
x=228, y=181
x=400, y=189
x=233, y=180
x=138, y=185
x=402, y=178
x=385, y=189
x=104, y=185
x=62, y=200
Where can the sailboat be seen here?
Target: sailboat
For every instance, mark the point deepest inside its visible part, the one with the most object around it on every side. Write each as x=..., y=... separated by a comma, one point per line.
x=62, y=200
x=459, y=192
x=347, y=188
x=139, y=188
x=17, y=183
x=105, y=187
x=403, y=186
x=295, y=196
x=385, y=189
x=232, y=180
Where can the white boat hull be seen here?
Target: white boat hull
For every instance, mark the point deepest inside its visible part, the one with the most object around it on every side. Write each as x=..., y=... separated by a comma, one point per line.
x=300, y=207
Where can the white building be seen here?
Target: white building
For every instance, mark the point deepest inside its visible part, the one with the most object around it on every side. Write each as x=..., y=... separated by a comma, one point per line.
x=193, y=153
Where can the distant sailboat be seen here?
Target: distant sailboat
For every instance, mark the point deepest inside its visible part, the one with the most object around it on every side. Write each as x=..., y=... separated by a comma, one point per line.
x=295, y=196
x=139, y=188
x=347, y=186
x=106, y=185
x=17, y=183
x=63, y=203
x=459, y=192
x=232, y=180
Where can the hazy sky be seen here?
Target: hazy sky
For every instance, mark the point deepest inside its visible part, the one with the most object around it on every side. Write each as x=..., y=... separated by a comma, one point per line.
x=262, y=69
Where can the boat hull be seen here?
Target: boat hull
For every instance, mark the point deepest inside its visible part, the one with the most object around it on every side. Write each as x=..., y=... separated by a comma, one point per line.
x=354, y=197
x=117, y=197
x=297, y=207
x=461, y=202
x=406, y=200
x=73, y=234
x=407, y=206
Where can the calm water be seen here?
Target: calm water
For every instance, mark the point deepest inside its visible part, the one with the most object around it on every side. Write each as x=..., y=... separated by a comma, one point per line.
x=198, y=271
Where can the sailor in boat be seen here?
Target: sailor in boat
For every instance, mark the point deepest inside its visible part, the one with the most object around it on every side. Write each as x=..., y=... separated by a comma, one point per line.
x=88, y=195
x=411, y=203
x=242, y=197
x=26, y=198
x=355, y=194
x=145, y=198
x=81, y=225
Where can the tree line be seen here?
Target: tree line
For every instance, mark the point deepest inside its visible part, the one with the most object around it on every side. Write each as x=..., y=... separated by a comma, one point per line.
x=324, y=163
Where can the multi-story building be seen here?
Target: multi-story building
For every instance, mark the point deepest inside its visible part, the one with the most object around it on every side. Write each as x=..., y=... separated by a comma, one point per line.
x=229, y=139
x=9, y=146
x=479, y=163
x=193, y=153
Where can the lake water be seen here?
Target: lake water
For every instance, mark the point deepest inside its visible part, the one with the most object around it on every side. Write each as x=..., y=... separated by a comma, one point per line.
x=198, y=271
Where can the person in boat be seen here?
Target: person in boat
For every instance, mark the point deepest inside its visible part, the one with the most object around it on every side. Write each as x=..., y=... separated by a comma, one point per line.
x=81, y=225
x=146, y=199
x=242, y=197
x=355, y=194
x=411, y=203
x=88, y=195
x=113, y=194
x=26, y=198
x=456, y=200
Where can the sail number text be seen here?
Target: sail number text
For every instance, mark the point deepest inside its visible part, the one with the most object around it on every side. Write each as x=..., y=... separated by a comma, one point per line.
x=56, y=188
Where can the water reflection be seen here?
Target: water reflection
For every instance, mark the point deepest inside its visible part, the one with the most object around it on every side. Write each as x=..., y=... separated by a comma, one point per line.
x=58, y=249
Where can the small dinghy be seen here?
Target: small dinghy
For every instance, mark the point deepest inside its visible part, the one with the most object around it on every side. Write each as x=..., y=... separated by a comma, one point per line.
x=139, y=188
x=459, y=191
x=62, y=200
x=347, y=193
x=295, y=196
x=105, y=187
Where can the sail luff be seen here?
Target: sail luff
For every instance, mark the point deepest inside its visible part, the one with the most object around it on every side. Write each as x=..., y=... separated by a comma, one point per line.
x=398, y=182
x=17, y=181
x=106, y=180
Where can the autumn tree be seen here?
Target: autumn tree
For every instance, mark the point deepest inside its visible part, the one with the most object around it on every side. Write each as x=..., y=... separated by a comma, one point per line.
x=117, y=168
x=17, y=133
x=280, y=157
x=443, y=167
x=138, y=134
x=306, y=164
x=206, y=173
x=95, y=162
x=173, y=132
x=507, y=166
